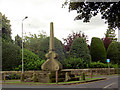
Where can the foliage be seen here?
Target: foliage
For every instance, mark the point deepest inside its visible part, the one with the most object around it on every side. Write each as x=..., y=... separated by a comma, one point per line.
x=111, y=34
x=97, y=50
x=31, y=61
x=83, y=76
x=113, y=52
x=0, y=20
x=33, y=42
x=79, y=49
x=99, y=64
x=71, y=37
x=18, y=41
x=59, y=49
x=110, y=11
x=6, y=29
x=75, y=63
x=12, y=76
x=106, y=42
x=10, y=56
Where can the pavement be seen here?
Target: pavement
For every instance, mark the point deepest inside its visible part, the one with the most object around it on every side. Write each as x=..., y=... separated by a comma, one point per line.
x=112, y=82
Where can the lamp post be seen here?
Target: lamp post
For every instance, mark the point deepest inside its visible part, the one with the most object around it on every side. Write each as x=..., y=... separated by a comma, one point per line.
x=22, y=46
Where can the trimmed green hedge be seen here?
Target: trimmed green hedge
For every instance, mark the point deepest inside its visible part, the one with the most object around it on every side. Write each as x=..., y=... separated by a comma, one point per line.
x=113, y=52
x=97, y=50
x=102, y=65
x=75, y=63
x=79, y=49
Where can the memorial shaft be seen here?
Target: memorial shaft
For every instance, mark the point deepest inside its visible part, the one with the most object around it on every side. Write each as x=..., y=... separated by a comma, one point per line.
x=51, y=64
x=51, y=46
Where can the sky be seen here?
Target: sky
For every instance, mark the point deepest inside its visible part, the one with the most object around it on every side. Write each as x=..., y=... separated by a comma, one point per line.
x=41, y=12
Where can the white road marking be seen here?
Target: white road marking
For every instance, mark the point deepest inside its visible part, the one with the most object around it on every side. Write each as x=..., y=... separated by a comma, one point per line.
x=109, y=85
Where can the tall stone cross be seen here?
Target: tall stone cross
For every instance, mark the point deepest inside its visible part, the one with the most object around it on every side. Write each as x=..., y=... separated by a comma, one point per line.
x=51, y=64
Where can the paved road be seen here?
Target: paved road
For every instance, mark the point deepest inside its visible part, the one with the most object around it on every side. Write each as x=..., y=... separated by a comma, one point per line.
x=111, y=82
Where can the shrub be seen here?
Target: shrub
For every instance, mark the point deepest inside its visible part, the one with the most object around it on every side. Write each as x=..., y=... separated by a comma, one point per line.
x=10, y=56
x=113, y=52
x=31, y=61
x=102, y=65
x=75, y=63
x=12, y=76
x=98, y=65
x=83, y=76
x=59, y=49
x=97, y=50
x=79, y=49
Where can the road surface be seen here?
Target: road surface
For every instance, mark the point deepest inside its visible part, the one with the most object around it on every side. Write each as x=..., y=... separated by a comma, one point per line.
x=110, y=82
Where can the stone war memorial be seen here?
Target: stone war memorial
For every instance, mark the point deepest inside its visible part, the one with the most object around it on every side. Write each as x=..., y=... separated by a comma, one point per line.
x=51, y=68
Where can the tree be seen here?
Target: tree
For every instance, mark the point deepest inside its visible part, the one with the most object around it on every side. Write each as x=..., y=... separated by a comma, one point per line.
x=110, y=11
x=71, y=37
x=79, y=49
x=10, y=56
x=18, y=40
x=6, y=29
x=106, y=42
x=33, y=42
x=113, y=52
x=59, y=49
x=111, y=34
x=31, y=61
x=97, y=50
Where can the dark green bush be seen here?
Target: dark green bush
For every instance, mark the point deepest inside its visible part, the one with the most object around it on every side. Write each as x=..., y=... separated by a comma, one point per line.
x=97, y=50
x=98, y=65
x=79, y=49
x=59, y=49
x=113, y=52
x=75, y=63
x=102, y=65
x=83, y=76
x=10, y=56
x=12, y=77
x=31, y=61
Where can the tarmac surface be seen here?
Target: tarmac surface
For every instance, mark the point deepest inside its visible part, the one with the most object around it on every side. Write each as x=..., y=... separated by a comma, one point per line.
x=112, y=81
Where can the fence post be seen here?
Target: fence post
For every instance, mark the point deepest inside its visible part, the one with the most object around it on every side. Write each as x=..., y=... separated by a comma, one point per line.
x=91, y=73
x=4, y=77
x=56, y=77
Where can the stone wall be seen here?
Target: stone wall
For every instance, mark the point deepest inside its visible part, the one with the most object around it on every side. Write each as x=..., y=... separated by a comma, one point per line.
x=43, y=76
x=94, y=71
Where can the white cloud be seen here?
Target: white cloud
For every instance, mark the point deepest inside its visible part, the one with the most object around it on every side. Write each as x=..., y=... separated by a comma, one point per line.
x=41, y=12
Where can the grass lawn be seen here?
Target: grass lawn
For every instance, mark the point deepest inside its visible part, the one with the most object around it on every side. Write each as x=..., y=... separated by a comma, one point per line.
x=19, y=82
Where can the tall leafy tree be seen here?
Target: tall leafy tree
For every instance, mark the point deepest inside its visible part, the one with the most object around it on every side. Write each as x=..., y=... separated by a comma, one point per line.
x=71, y=37
x=111, y=34
x=6, y=29
x=0, y=20
x=110, y=11
x=18, y=40
x=97, y=50
x=10, y=56
x=33, y=42
x=107, y=41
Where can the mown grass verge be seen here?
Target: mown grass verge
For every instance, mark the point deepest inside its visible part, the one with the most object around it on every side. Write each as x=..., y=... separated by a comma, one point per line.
x=69, y=82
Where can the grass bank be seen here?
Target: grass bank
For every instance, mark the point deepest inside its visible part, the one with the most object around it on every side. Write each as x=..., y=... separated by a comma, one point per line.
x=69, y=82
